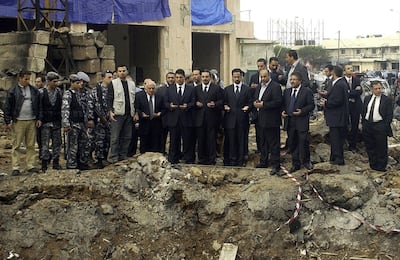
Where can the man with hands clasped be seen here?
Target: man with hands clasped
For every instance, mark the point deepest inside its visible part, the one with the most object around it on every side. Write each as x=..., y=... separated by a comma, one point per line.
x=237, y=103
x=267, y=105
x=298, y=103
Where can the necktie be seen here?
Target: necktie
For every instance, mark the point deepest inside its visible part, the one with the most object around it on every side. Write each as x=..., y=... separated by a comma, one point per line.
x=291, y=104
x=205, y=88
x=371, y=111
x=237, y=90
x=180, y=91
x=151, y=109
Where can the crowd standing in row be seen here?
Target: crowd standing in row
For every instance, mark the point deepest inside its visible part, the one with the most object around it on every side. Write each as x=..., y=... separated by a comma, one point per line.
x=106, y=120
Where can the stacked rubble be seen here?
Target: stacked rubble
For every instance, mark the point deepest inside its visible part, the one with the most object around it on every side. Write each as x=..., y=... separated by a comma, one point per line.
x=92, y=54
x=30, y=50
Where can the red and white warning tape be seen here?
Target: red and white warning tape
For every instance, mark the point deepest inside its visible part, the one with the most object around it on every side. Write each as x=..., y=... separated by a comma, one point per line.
x=360, y=219
x=296, y=213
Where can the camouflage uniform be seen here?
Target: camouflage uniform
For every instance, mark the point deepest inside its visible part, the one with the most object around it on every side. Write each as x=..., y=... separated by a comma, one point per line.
x=74, y=115
x=50, y=115
x=102, y=121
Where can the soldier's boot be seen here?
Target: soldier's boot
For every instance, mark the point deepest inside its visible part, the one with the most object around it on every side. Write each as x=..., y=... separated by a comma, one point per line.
x=99, y=164
x=44, y=166
x=56, y=164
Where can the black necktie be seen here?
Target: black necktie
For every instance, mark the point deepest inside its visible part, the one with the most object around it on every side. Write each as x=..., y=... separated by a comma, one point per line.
x=237, y=90
x=151, y=107
x=371, y=111
x=180, y=91
x=291, y=104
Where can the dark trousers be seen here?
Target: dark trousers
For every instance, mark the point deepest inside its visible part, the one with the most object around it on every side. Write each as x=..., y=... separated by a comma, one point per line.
x=164, y=135
x=150, y=141
x=179, y=135
x=121, y=135
x=236, y=144
x=337, y=136
x=269, y=143
x=376, y=144
x=299, y=145
x=355, y=113
x=132, y=148
x=206, y=143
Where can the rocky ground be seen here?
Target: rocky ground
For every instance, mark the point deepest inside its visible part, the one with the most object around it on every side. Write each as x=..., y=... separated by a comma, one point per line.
x=144, y=208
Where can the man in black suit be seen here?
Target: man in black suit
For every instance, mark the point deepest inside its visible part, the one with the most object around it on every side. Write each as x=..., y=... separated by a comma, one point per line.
x=292, y=59
x=355, y=106
x=377, y=115
x=255, y=79
x=237, y=104
x=180, y=103
x=336, y=108
x=297, y=106
x=267, y=105
x=275, y=73
x=163, y=91
x=149, y=106
x=328, y=71
x=209, y=103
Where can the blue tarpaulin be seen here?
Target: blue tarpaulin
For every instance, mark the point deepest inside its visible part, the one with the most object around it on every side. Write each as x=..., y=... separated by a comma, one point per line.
x=99, y=11
x=210, y=12
x=142, y=10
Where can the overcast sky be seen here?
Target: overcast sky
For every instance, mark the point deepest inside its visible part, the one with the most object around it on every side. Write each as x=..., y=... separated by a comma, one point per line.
x=351, y=18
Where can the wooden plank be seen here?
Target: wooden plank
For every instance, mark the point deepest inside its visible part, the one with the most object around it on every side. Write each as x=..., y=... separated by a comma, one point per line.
x=228, y=252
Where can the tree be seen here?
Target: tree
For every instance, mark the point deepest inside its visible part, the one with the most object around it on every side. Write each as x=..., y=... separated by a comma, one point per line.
x=314, y=55
x=280, y=52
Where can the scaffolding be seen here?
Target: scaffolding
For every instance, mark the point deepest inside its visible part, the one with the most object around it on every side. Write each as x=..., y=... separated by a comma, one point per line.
x=295, y=32
x=49, y=15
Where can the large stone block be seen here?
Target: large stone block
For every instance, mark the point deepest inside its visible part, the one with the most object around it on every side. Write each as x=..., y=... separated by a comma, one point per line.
x=89, y=66
x=38, y=51
x=35, y=64
x=107, y=64
x=15, y=38
x=107, y=52
x=7, y=82
x=82, y=39
x=84, y=52
x=41, y=37
x=13, y=64
x=94, y=78
x=99, y=39
x=14, y=51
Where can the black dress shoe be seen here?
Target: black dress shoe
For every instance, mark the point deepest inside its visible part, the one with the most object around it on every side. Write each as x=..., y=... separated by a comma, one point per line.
x=294, y=168
x=261, y=165
x=353, y=149
x=15, y=173
x=33, y=170
x=274, y=171
x=308, y=166
x=379, y=169
x=337, y=163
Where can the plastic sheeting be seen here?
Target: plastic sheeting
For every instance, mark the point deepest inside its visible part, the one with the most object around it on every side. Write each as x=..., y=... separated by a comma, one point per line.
x=210, y=12
x=99, y=11
x=142, y=10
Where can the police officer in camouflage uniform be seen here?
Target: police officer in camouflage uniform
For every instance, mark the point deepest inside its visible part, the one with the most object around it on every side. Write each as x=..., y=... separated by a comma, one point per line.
x=86, y=93
x=50, y=115
x=75, y=122
x=101, y=118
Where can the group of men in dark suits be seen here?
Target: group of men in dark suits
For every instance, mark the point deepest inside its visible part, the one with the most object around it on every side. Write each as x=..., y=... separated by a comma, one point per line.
x=343, y=107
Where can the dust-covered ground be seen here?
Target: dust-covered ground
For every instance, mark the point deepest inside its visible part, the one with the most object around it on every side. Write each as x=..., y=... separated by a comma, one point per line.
x=144, y=208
